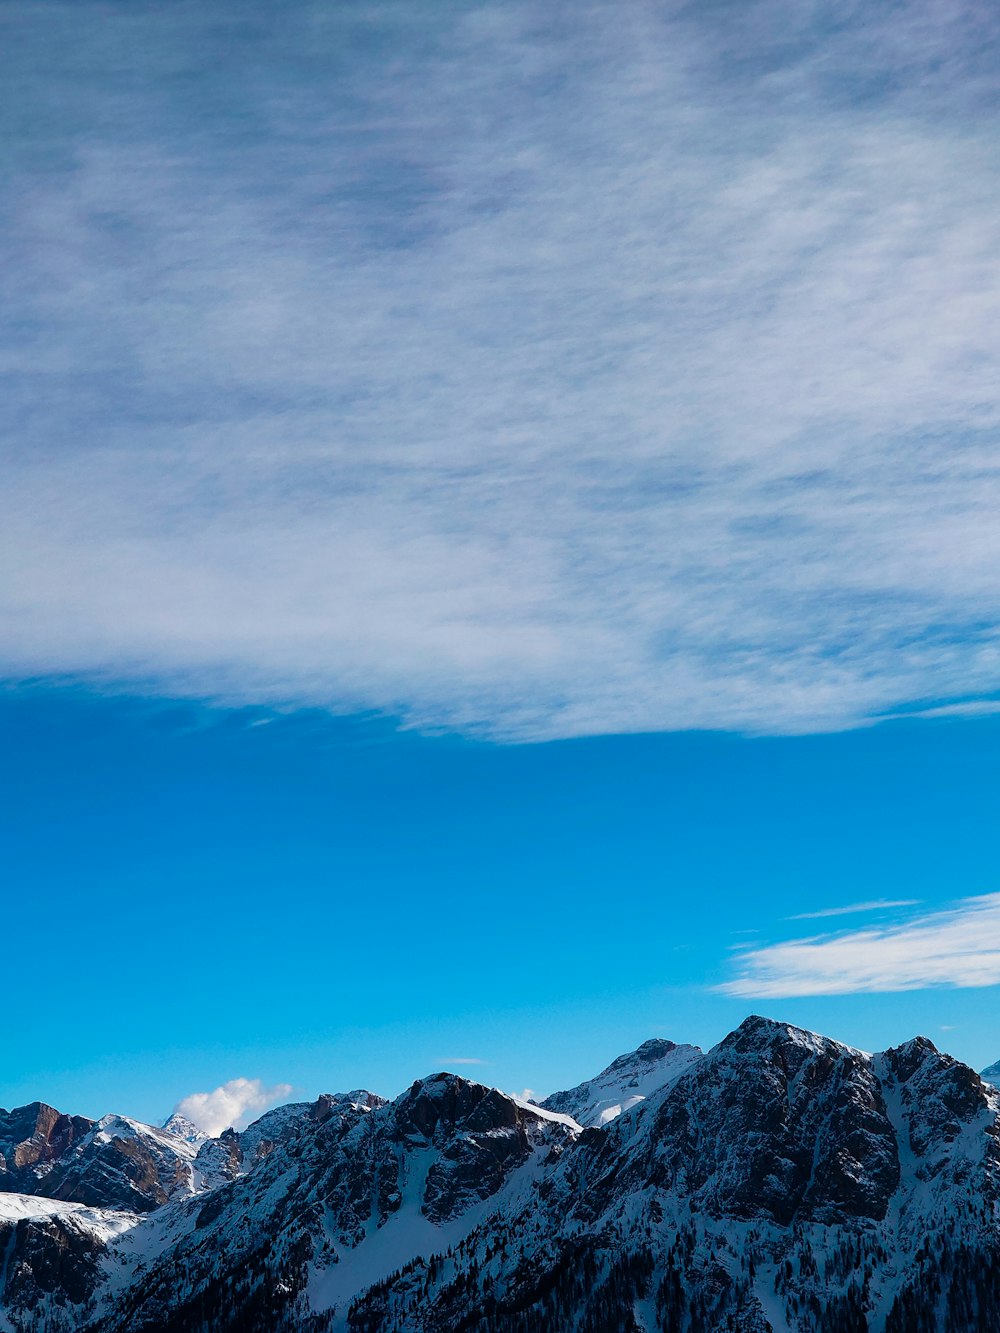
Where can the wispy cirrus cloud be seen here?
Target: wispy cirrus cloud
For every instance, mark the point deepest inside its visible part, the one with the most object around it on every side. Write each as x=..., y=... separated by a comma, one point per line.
x=535, y=369
x=957, y=947
x=875, y=905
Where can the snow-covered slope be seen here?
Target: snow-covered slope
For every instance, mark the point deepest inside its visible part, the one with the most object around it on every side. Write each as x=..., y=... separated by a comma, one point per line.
x=627, y=1081
x=53, y=1258
x=992, y=1074
x=362, y=1189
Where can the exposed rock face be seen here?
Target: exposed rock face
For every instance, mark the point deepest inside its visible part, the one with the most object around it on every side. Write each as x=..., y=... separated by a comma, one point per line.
x=49, y=1257
x=53, y=1259
x=939, y=1097
x=780, y=1124
x=781, y=1182
x=479, y=1134
x=32, y=1139
x=121, y=1163
x=327, y=1104
x=220, y=1160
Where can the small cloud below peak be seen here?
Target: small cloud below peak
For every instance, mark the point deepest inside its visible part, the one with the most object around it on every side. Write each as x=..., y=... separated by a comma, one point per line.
x=231, y=1104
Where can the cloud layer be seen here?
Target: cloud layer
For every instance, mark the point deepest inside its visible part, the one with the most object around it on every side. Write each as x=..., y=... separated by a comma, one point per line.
x=234, y=1104
x=958, y=947
x=534, y=369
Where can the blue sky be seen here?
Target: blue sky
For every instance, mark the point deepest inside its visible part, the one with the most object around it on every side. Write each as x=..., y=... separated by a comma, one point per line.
x=198, y=895
x=571, y=429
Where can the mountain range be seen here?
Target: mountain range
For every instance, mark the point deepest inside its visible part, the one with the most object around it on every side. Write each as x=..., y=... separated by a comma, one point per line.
x=780, y=1181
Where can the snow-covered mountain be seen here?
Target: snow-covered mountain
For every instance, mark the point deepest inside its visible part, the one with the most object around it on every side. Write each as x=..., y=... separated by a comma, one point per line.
x=110, y=1163
x=992, y=1074
x=183, y=1128
x=780, y=1181
x=627, y=1081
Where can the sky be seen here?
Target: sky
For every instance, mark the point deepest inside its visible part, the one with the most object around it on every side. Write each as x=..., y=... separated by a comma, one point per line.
x=498, y=544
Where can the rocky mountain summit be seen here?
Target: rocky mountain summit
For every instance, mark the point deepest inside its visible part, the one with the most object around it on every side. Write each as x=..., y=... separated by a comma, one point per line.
x=32, y=1139
x=779, y=1181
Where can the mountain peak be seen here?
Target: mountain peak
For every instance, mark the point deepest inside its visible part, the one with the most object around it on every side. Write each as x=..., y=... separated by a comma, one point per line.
x=325, y=1105
x=757, y=1033
x=769, y=1028
x=628, y=1080
x=32, y=1139
x=184, y=1129
x=650, y=1052
x=441, y=1103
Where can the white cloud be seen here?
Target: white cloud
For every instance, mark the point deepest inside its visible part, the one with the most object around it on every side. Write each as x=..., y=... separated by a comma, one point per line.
x=969, y=708
x=876, y=905
x=234, y=1104
x=446, y=1061
x=604, y=368
x=959, y=947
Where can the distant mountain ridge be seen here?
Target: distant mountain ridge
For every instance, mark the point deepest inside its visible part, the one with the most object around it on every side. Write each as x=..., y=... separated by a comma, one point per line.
x=781, y=1181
